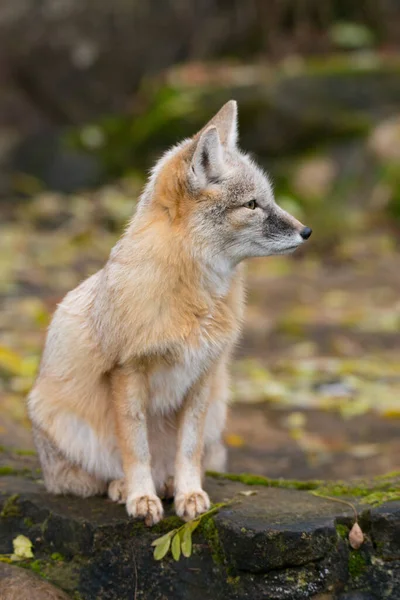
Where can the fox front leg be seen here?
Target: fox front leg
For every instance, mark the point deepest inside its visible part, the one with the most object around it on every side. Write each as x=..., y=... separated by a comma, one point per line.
x=130, y=392
x=190, y=499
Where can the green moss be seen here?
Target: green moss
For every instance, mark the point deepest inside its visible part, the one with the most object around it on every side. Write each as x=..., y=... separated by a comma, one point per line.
x=302, y=580
x=210, y=532
x=5, y=470
x=63, y=574
x=250, y=479
x=378, y=498
x=167, y=524
x=36, y=566
x=11, y=508
x=5, y=559
x=233, y=580
x=43, y=526
x=56, y=556
x=357, y=564
x=391, y=475
x=375, y=492
x=24, y=452
x=342, y=531
x=28, y=522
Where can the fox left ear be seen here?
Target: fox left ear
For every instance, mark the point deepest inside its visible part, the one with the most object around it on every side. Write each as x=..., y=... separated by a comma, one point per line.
x=207, y=164
x=226, y=122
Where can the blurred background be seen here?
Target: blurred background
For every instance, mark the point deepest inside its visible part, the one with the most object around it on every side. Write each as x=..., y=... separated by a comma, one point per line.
x=92, y=91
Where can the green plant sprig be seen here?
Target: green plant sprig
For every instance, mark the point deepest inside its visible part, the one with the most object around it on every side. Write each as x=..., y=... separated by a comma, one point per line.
x=179, y=540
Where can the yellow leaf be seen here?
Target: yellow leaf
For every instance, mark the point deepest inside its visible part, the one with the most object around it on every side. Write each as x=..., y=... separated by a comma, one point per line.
x=295, y=420
x=234, y=441
x=391, y=413
x=10, y=361
x=22, y=547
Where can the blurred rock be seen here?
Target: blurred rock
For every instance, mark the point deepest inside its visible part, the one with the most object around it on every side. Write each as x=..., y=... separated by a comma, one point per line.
x=20, y=584
x=314, y=177
x=54, y=164
x=71, y=62
x=385, y=140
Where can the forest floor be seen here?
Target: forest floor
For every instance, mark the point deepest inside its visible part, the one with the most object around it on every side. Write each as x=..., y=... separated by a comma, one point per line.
x=316, y=376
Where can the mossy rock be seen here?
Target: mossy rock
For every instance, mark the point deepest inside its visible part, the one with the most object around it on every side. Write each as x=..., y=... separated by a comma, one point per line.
x=278, y=543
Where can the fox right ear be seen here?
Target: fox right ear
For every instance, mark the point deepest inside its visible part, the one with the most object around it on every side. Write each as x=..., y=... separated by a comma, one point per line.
x=207, y=164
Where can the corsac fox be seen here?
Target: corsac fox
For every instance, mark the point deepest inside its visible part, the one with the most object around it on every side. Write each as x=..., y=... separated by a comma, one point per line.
x=131, y=397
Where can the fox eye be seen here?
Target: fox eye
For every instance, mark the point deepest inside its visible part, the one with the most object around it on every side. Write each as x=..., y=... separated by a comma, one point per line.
x=252, y=204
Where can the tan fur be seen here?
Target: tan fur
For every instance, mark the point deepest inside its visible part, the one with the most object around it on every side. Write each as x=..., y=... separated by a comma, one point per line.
x=132, y=390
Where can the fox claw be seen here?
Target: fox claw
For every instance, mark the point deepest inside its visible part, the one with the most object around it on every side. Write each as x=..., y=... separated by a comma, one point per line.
x=147, y=507
x=191, y=505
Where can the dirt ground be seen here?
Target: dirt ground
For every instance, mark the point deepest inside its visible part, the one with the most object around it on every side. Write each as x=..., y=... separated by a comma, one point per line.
x=316, y=376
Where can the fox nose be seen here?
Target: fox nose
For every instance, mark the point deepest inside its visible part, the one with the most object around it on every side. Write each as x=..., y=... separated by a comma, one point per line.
x=306, y=232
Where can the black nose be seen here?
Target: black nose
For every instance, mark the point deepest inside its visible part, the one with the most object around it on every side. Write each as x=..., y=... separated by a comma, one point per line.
x=306, y=232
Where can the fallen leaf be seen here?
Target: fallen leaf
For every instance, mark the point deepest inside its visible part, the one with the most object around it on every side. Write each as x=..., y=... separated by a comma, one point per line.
x=22, y=548
x=248, y=493
x=234, y=441
x=10, y=361
x=356, y=536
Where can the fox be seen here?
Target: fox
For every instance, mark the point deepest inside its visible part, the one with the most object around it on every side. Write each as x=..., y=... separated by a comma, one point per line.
x=132, y=393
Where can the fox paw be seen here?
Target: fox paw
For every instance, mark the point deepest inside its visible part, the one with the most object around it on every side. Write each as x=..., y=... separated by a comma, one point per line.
x=117, y=491
x=191, y=505
x=147, y=507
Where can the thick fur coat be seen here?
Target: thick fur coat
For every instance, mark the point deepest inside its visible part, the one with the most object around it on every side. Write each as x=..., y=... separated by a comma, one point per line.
x=132, y=391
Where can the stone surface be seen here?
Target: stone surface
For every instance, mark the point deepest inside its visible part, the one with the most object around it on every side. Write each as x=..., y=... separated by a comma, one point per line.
x=20, y=584
x=277, y=543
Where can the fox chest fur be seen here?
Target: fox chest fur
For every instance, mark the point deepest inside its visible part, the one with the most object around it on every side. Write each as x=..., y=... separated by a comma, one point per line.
x=174, y=337
x=172, y=332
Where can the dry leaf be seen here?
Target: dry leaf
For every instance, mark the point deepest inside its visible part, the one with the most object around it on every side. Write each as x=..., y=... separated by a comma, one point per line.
x=356, y=536
x=248, y=493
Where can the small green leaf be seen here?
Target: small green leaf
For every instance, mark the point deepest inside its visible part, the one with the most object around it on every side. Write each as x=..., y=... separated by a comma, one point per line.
x=194, y=524
x=186, y=543
x=176, y=547
x=162, y=547
x=161, y=539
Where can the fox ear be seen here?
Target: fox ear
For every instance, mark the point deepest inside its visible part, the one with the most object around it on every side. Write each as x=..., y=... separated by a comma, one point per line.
x=226, y=122
x=207, y=164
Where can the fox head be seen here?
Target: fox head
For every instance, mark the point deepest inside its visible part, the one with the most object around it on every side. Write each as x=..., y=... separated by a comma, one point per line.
x=220, y=199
